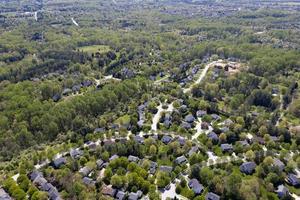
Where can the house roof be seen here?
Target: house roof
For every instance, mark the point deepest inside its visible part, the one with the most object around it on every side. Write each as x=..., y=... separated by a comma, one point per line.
x=181, y=141
x=166, y=139
x=185, y=125
x=165, y=168
x=59, y=162
x=85, y=171
x=201, y=113
x=108, y=190
x=282, y=191
x=278, y=163
x=139, y=139
x=213, y=136
x=194, y=149
x=244, y=143
x=120, y=195
x=133, y=196
x=33, y=175
x=99, y=163
x=180, y=160
x=75, y=153
x=212, y=196
x=133, y=159
x=189, y=118
x=293, y=180
x=226, y=147
x=88, y=181
x=113, y=157
x=196, y=186
x=4, y=195
x=248, y=167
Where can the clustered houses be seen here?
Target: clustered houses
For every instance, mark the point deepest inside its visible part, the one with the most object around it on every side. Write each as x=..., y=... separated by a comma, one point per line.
x=90, y=175
x=38, y=179
x=74, y=89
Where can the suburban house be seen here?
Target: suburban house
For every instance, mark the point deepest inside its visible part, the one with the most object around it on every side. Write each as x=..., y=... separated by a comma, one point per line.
x=293, y=180
x=226, y=147
x=180, y=160
x=4, y=195
x=248, y=167
x=212, y=196
x=282, y=191
x=196, y=186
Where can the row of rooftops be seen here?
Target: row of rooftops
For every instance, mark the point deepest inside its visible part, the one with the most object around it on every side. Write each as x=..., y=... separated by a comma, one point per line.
x=38, y=179
x=119, y=194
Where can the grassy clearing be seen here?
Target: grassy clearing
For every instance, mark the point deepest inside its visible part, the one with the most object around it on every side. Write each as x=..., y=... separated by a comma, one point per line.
x=95, y=49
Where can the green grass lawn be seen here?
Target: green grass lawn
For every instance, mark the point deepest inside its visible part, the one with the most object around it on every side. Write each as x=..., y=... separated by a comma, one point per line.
x=95, y=49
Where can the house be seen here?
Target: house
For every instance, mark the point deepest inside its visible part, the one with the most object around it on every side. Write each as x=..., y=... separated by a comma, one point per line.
x=109, y=191
x=226, y=147
x=57, y=163
x=133, y=159
x=215, y=117
x=40, y=181
x=85, y=171
x=186, y=125
x=180, y=160
x=181, y=141
x=244, y=143
x=279, y=164
x=140, y=123
x=100, y=164
x=193, y=150
x=293, y=180
x=33, y=175
x=99, y=130
x=120, y=195
x=228, y=122
x=248, y=167
x=201, y=113
x=153, y=167
x=75, y=153
x=282, y=191
x=76, y=88
x=212, y=196
x=88, y=181
x=54, y=195
x=196, y=186
x=86, y=83
x=4, y=195
x=213, y=136
x=189, y=118
x=113, y=157
x=165, y=168
x=166, y=139
x=133, y=196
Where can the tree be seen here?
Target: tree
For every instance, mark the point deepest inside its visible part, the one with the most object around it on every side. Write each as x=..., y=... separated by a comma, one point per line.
x=232, y=185
x=117, y=181
x=38, y=195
